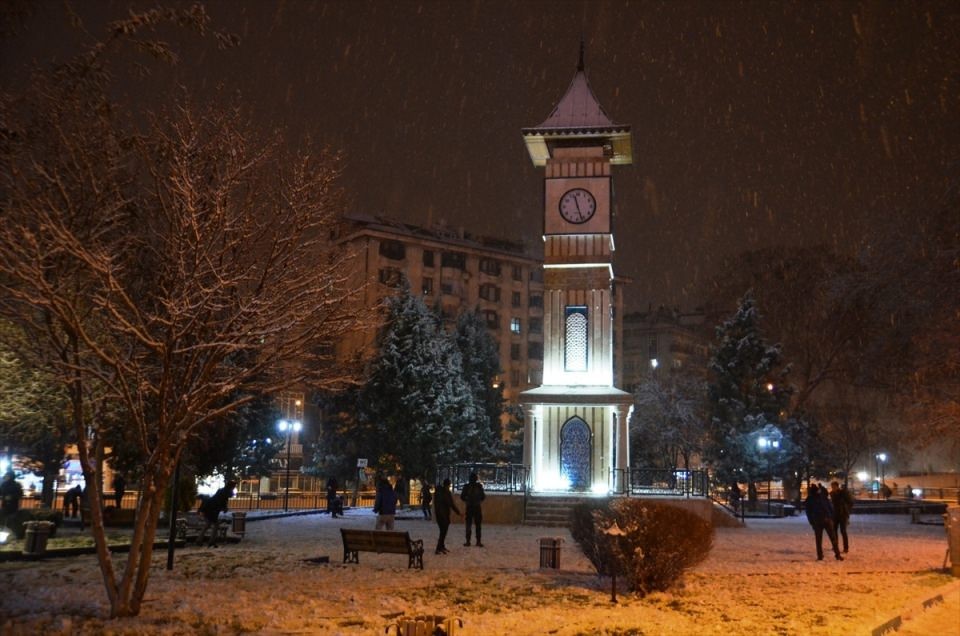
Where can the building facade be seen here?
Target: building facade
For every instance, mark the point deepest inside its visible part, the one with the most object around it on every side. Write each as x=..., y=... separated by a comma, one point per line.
x=664, y=340
x=457, y=272
x=576, y=434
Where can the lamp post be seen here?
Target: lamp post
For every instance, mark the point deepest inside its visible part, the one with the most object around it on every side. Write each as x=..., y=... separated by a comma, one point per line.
x=614, y=532
x=881, y=458
x=766, y=445
x=288, y=427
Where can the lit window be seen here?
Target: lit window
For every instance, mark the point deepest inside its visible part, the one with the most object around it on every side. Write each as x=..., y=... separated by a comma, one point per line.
x=427, y=286
x=575, y=353
x=515, y=325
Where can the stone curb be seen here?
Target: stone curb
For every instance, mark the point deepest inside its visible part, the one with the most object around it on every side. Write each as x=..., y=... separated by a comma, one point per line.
x=895, y=623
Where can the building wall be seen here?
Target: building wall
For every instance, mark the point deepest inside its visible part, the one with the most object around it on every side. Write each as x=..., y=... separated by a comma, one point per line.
x=458, y=272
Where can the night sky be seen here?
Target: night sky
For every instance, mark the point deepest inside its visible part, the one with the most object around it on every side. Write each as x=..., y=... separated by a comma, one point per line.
x=755, y=124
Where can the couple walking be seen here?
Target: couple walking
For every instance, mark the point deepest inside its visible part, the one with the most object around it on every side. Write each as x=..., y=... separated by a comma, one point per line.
x=472, y=496
x=829, y=511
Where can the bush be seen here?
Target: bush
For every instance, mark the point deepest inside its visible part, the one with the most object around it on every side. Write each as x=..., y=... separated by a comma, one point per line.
x=15, y=521
x=659, y=544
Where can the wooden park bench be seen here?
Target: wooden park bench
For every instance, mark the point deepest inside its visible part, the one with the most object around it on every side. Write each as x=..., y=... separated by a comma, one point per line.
x=381, y=542
x=189, y=525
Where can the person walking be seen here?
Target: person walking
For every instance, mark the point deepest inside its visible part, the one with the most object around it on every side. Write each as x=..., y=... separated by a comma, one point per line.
x=820, y=517
x=119, y=487
x=473, y=496
x=426, y=498
x=71, y=501
x=211, y=509
x=11, y=492
x=443, y=504
x=401, y=489
x=385, y=505
x=332, y=502
x=842, y=504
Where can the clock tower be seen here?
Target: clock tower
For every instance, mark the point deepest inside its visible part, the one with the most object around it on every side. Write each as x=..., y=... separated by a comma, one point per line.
x=576, y=436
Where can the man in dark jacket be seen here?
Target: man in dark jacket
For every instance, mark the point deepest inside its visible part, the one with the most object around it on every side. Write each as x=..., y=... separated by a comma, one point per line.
x=11, y=492
x=842, y=503
x=473, y=495
x=211, y=509
x=820, y=516
x=443, y=504
x=385, y=505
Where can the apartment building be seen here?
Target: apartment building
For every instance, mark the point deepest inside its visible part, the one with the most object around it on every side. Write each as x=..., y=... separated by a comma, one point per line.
x=663, y=340
x=457, y=272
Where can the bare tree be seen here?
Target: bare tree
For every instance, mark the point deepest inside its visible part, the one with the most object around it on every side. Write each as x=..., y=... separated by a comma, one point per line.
x=668, y=421
x=167, y=277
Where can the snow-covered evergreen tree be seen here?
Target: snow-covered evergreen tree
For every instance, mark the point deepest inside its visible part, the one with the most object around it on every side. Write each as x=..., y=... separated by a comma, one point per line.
x=747, y=393
x=417, y=409
x=481, y=370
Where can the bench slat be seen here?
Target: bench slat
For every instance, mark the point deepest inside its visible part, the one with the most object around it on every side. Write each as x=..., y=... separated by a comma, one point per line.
x=381, y=542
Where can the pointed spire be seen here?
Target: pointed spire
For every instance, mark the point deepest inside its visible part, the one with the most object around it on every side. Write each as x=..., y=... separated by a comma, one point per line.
x=580, y=66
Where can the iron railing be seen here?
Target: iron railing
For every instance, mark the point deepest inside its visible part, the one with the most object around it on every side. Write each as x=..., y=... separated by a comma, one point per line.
x=509, y=478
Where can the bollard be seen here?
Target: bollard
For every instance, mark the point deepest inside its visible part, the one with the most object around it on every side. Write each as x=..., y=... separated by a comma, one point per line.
x=952, y=526
x=239, y=523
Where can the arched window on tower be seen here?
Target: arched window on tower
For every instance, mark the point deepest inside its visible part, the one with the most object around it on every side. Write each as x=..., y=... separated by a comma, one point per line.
x=575, y=352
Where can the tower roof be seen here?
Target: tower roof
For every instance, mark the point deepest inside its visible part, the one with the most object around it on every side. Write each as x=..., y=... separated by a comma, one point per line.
x=578, y=116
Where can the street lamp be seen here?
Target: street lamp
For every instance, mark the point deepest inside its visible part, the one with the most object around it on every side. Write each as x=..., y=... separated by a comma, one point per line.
x=881, y=458
x=766, y=444
x=288, y=427
x=614, y=532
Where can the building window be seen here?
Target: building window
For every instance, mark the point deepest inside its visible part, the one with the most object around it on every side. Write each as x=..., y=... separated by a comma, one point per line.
x=517, y=272
x=536, y=300
x=575, y=352
x=515, y=325
x=535, y=351
x=536, y=275
x=652, y=347
x=535, y=377
x=492, y=319
x=456, y=260
x=427, y=286
x=446, y=288
x=515, y=377
x=390, y=276
x=515, y=351
x=427, y=258
x=394, y=250
x=490, y=292
x=490, y=266
x=536, y=325
x=515, y=299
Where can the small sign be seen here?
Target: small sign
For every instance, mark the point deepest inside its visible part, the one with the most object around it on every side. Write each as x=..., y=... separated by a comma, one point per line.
x=362, y=462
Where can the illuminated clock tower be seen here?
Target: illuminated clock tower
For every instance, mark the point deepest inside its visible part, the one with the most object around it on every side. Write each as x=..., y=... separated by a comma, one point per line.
x=576, y=436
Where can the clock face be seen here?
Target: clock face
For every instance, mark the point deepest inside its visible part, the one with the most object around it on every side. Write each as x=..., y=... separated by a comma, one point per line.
x=577, y=206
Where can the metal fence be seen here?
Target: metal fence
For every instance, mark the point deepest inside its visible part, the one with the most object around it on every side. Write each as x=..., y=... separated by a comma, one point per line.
x=509, y=478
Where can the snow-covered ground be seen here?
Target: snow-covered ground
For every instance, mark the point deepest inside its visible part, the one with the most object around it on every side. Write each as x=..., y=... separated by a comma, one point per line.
x=760, y=579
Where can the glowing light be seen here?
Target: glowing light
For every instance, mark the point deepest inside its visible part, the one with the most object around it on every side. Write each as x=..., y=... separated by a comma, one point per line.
x=863, y=475
x=654, y=363
x=599, y=489
x=554, y=481
x=4, y=535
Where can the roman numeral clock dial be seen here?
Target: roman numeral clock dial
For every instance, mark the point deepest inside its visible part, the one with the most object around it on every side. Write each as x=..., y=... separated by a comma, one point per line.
x=577, y=206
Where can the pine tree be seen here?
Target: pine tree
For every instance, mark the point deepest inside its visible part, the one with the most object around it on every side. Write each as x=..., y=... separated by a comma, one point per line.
x=747, y=397
x=481, y=370
x=417, y=411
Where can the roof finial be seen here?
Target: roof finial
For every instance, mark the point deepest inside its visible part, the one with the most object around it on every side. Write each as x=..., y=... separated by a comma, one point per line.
x=580, y=63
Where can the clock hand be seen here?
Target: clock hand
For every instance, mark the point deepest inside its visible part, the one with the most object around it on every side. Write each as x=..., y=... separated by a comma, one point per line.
x=576, y=200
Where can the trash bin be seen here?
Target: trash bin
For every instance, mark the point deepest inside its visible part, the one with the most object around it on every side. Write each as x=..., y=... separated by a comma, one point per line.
x=35, y=540
x=239, y=523
x=952, y=526
x=550, y=552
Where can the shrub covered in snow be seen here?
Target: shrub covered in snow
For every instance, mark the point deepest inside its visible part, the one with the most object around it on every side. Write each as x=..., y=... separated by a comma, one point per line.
x=659, y=542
